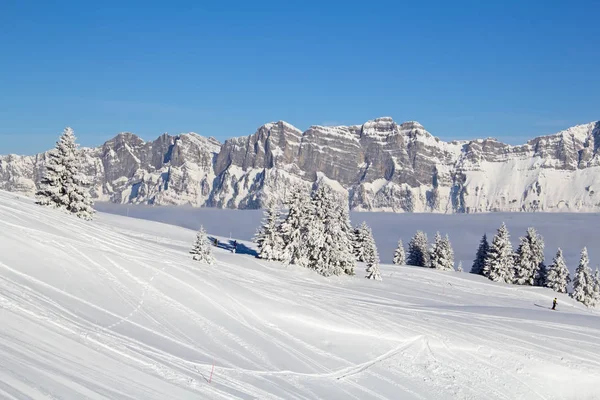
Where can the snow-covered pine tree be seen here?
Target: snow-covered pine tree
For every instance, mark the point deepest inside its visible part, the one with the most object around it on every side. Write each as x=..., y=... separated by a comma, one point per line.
x=499, y=262
x=418, y=254
x=372, y=256
x=449, y=254
x=293, y=229
x=479, y=262
x=361, y=236
x=329, y=247
x=596, y=287
x=268, y=238
x=346, y=241
x=399, y=254
x=583, y=282
x=537, y=251
x=63, y=186
x=436, y=252
x=441, y=254
x=557, y=277
x=460, y=267
x=202, y=250
x=529, y=261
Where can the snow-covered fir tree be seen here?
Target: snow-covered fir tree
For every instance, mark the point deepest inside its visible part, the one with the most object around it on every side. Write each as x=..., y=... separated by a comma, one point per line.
x=557, y=276
x=348, y=233
x=596, y=287
x=441, y=254
x=449, y=253
x=418, y=253
x=399, y=254
x=583, y=281
x=479, y=262
x=460, y=267
x=202, y=249
x=268, y=237
x=361, y=237
x=499, y=261
x=529, y=260
x=436, y=252
x=63, y=186
x=329, y=248
x=371, y=257
x=293, y=229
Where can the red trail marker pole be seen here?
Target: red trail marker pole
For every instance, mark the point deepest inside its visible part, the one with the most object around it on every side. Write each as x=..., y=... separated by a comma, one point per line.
x=211, y=373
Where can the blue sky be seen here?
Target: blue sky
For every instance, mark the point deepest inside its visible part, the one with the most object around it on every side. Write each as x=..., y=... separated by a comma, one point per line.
x=464, y=69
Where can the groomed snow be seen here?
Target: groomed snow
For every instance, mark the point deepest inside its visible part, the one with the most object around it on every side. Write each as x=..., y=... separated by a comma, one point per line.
x=116, y=309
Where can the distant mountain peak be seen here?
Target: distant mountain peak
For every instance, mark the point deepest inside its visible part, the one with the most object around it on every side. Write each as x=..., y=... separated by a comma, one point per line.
x=381, y=165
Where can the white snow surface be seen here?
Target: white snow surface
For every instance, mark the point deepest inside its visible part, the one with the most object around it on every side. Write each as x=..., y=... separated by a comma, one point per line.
x=115, y=308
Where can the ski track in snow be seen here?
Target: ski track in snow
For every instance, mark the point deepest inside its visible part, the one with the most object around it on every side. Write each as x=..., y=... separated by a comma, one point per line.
x=115, y=309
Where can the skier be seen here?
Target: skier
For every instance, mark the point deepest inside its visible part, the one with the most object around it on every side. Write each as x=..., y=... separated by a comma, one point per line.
x=554, y=304
x=234, y=246
x=216, y=243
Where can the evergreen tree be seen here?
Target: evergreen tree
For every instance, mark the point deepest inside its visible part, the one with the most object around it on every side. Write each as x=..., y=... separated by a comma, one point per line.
x=361, y=237
x=499, y=262
x=399, y=255
x=202, y=250
x=441, y=254
x=293, y=229
x=557, y=277
x=436, y=252
x=372, y=257
x=460, y=267
x=347, y=234
x=479, y=262
x=63, y=186
x=268, y=238
x=328, y=244
x=596, y=287
x=448, y=254
x=418, y=253
x=529, y=261
x=583, y=282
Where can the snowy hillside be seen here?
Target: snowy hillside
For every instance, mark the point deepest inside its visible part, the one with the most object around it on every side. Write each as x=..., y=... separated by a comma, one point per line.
x=116, y=309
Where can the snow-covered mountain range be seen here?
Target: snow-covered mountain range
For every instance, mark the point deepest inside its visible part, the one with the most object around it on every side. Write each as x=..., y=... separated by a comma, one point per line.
x=381, y=165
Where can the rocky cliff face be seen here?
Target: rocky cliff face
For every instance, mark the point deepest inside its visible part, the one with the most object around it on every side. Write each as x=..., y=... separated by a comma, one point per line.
x=380, y=165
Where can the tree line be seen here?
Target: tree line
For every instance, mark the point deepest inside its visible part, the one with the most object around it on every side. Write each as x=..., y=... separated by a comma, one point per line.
x=498, y=262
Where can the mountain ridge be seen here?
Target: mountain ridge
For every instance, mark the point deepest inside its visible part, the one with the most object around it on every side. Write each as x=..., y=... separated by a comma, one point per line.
x=381, y=165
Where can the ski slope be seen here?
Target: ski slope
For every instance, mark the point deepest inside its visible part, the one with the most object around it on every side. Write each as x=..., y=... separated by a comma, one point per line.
x=116, y=309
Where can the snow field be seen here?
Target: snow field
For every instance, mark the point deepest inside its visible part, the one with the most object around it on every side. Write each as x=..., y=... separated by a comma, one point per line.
x=116, y=308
